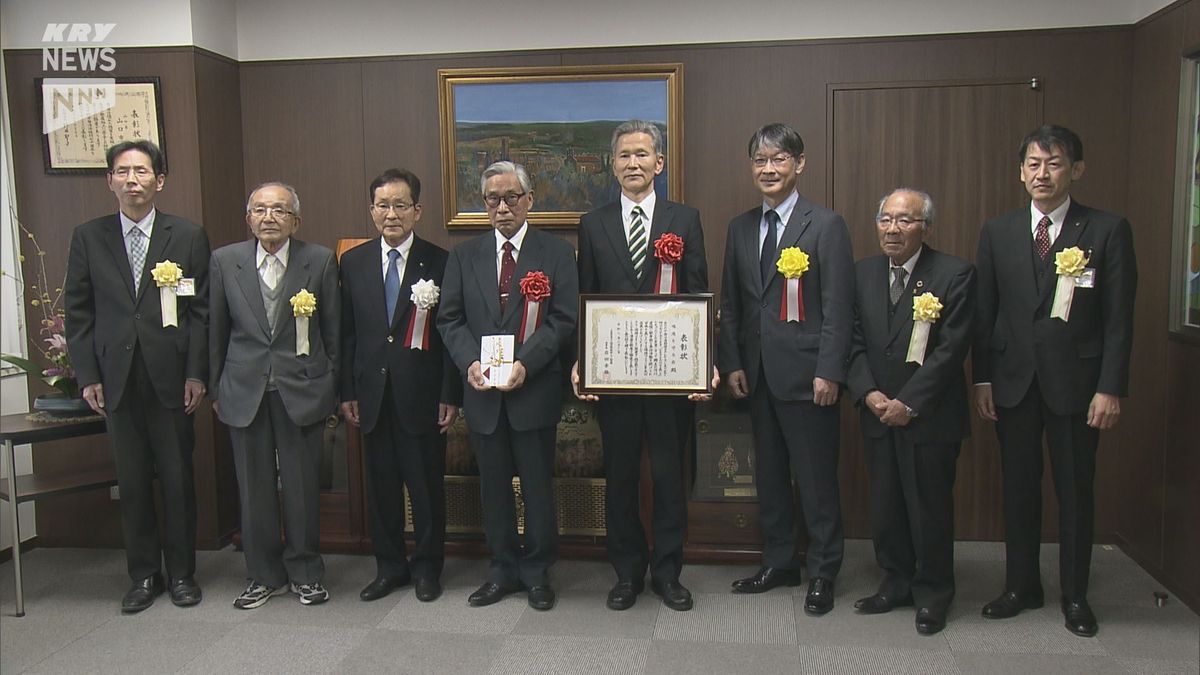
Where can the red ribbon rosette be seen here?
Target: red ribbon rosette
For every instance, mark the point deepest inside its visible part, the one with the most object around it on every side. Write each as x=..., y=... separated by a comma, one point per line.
x=669, y=250
x=535, y=287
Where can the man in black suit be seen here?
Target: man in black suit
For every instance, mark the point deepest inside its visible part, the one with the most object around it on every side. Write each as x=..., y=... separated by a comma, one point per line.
x=143, y=369
x=513, y=424
x=398, y=385
x=1038, y=369
x=784, y=343
x=906, y=376
x=274, y=386
x=617, y=254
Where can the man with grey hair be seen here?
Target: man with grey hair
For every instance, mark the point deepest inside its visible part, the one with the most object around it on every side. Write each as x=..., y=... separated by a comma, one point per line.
x=618, y=253
x=912, y=329
x=273, y=346
x=786, y=319
x=520, y=282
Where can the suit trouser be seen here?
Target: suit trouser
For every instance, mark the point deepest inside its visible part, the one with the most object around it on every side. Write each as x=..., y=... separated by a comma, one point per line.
x=395, y=459
x=797, y=439
x=623, y=420
x=1072, y=446
x=531, y=455
x=151, y=440
x=912, y=516
x=273, y=434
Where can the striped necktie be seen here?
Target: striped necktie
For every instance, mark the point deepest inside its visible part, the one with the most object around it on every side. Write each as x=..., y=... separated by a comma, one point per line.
x=637, y=240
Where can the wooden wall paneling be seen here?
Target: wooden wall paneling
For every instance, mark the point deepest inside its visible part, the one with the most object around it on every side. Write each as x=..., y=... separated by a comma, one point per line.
x=1181, y=467
x=302, y=123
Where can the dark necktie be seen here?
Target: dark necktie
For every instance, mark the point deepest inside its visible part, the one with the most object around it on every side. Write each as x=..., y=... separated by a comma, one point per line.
x=898, y=280
x=508, y=267
x=391, y=284
x=637, y=240
x=1041, y=239
x=766, y=257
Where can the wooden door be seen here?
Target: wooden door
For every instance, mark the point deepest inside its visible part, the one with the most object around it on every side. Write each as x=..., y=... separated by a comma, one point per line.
x=958, y=141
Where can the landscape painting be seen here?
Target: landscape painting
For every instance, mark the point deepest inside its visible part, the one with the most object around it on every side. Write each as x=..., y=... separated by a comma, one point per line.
x=557, y=123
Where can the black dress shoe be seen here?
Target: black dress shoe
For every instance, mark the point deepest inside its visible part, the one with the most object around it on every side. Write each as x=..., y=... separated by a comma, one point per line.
x=185, y=592
x=820, y=597
x=673, y=594
x=930, y=621
x=490, y=593
x=1010, y=604
x=141, y=595
x=623, y=595
x=766, y=579
x=427, y=590
x=382, y=586
x=541, y=597
x=881, y=604
x=1079, y=618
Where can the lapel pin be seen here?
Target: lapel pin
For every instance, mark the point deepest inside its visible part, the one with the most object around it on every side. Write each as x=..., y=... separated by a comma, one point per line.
x=920, y=283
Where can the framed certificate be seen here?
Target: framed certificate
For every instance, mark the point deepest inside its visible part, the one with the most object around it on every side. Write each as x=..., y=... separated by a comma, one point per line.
x=645, y=344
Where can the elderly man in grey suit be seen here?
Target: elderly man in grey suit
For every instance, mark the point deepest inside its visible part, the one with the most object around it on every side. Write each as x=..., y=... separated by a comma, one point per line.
x=273, y=347
x=502, y=283
x=787, y=301
x=142, y=368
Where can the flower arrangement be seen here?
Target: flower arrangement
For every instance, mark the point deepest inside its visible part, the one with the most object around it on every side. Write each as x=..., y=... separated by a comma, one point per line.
x=52, y=344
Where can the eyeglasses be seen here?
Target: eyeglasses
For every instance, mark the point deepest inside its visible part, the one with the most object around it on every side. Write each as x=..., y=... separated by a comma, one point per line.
x=902, y=221
x=124, y=171
x=398, y=207
x=277, y=212
x=511, y=199
x=777, y=160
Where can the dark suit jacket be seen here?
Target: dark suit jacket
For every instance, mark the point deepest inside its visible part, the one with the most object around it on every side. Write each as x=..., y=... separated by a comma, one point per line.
x=604, y=262
x=793, y=353
x=937, y=389
x=471, y=309
x=373, y=352
x=1015, y=338
x=105, y=320
x=243, y=350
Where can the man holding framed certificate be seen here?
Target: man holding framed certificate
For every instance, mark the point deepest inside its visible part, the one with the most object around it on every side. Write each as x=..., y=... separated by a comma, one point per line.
x=641, y=244
x=513, y=286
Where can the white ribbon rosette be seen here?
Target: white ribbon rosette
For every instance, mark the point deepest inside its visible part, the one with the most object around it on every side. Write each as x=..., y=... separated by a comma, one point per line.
x=304, y=304
x=425, y=295
x=926, y=310
x=1069, y=265
x=166, y=275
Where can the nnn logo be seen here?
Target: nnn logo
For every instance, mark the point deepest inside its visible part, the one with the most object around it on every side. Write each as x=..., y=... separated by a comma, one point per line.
x=80, y=58
x=66, y=101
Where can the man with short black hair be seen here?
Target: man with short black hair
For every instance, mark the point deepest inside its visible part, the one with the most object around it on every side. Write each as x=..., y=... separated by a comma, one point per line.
x=136, y=299
x=1057, y=282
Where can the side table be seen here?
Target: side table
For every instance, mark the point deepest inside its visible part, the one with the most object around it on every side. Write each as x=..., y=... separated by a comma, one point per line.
x=17, y=430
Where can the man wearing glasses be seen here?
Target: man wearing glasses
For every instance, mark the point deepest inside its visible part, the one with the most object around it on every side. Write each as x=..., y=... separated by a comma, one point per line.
x=912, y=329
x=273, y=344
x=398, y=385
x=786, y=314
x=144, y=370
x=520, y=282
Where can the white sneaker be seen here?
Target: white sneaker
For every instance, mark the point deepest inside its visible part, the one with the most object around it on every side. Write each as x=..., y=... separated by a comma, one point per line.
x=310, y=594
x=256, y=595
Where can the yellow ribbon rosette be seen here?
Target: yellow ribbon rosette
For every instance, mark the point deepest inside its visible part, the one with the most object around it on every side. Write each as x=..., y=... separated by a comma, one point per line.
x=304, y=304
x=927, y=309
x=166, y=275
x=792, y=262
x=1069, y=264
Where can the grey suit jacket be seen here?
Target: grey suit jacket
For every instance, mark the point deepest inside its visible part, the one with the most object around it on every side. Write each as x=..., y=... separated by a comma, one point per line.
x=242, y=350
x=754, y=339
x=106, y=320
x=471, y=309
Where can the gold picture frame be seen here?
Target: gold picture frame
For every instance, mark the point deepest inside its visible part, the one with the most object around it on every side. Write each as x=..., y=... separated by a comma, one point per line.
x=557, y=121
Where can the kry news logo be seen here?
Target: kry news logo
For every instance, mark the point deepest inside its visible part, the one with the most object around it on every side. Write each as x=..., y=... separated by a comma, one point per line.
x=68, y=100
